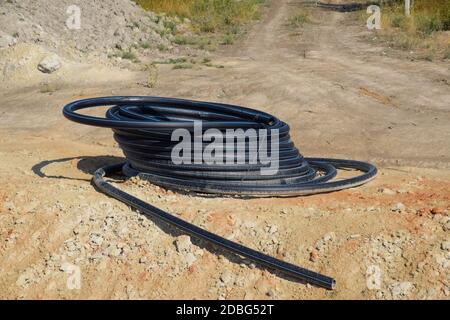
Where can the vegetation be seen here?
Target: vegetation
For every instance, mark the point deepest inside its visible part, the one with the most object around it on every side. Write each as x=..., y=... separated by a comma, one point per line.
x=298, y=20
x=222, y=20
x=427, y=16
x=152, y=76
x=208, y=15
x=425, y=32
x=47, y=87
x=185, y=65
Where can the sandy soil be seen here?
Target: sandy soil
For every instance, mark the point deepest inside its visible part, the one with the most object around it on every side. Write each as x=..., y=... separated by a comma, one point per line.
x=342, y=98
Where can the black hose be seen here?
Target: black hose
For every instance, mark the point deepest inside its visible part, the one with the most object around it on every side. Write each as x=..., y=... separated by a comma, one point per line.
x=143, y=127
x=345, y=7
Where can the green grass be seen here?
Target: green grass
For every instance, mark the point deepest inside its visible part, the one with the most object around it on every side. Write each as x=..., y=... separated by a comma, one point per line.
x=208, y=15
x=427, y=16
x=171, y=61
x=228, y=39
x=162, y=47
x=145, y=45
x=184, y=40
x=427, y=24
x=128, y=55
x=398, y=21
x=185, y=65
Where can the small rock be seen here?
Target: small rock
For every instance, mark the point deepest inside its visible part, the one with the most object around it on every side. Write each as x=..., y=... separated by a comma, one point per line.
x=401, y=289
x=330, y=236
x=438, y=210
x=113, y=251
x=313, y=256
x=387, y=191
x=445, y=245
x=183, y=244
x=270, y=293
x=49, y=64
x=96, y=239
x=190, y=259
x=442, y=260
x=226, y=277
x=446, y=226
x=199, y=252
x=70, y=245
x=7, y=41
x=142, y=260
x=398, y=207
x=23, y=280
x=422, y=212
x=273, y=229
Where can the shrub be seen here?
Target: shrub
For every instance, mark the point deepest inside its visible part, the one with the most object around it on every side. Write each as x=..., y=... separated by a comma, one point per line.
x=208, y=15
x=429, y=24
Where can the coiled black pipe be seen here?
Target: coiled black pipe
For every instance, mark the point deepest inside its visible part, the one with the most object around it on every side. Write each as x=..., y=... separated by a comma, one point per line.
x=143, y=127
x=341, y=7
x=345, y=7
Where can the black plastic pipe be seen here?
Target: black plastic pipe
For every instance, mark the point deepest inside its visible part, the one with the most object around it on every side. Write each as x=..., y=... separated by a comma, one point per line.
x=143, y=127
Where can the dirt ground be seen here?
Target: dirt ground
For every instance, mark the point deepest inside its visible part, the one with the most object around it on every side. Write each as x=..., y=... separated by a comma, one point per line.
x=342, y=97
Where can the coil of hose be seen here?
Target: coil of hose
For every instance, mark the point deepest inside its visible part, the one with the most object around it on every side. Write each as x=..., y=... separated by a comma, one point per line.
x=143, y=128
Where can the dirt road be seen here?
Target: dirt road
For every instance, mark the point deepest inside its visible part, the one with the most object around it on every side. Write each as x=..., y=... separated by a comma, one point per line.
x=342, y=98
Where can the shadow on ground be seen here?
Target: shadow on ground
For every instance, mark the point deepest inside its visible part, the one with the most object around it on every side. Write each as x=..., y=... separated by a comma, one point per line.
x=89, y=164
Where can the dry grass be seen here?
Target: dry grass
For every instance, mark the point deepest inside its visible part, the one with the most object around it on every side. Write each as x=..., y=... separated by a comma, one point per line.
x=176, y=7
x=425, y=33
x=208, y=15
x=214, y=22
x=299, y=19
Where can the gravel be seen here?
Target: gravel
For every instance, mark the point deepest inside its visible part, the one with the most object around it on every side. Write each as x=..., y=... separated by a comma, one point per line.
x=96, y=239
x=401, y=289
x=387, y=191
x=398, y=207
x=104, y=25
x=446, y=226
x=325, y=241
x=227, y=277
